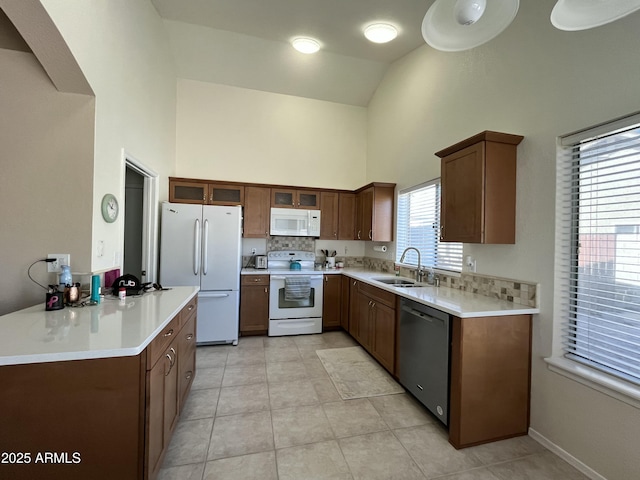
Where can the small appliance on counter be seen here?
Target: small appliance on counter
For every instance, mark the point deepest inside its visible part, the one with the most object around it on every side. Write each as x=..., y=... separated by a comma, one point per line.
x=261, y=262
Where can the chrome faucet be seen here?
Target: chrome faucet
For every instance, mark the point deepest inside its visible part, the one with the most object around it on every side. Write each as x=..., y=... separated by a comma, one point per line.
x=419, y=272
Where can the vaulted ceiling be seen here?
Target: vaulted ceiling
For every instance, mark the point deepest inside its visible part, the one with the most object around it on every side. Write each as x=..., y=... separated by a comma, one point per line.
x=246, y=43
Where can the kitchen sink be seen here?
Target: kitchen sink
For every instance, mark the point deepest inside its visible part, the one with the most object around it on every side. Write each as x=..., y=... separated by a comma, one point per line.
x=397, y=282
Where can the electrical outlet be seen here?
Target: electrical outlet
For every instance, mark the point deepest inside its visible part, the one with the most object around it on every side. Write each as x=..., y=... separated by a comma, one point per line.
x=61, y=259
x=253, y=251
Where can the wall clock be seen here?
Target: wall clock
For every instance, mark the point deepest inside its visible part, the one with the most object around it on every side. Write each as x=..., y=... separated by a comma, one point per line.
x=110, y=208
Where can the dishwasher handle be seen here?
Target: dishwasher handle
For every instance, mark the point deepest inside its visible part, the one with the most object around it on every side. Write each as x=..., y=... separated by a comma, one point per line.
x=425, y=312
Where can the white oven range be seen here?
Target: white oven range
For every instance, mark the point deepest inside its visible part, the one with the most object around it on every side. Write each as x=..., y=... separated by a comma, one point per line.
x=295, y=295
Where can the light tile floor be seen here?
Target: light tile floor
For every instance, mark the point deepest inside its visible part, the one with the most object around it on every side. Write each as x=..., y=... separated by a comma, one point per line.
x=267, y=409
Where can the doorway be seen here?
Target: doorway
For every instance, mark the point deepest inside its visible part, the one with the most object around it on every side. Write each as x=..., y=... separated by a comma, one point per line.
x=140, y=220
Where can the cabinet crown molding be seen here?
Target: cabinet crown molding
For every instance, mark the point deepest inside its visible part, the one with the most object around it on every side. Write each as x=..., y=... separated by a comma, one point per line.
x=486, y=136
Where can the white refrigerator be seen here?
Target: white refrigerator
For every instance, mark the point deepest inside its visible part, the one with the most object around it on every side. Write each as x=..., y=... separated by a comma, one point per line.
x=200, y=245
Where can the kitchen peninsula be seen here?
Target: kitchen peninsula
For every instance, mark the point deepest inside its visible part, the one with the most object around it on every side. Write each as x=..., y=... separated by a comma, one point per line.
x=95, y=392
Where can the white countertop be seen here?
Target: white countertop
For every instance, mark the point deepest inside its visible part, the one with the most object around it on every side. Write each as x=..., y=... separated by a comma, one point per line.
x=450, y=300
x=110, y=329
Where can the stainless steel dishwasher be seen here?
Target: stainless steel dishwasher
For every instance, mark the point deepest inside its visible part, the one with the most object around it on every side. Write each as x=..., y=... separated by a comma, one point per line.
x=424, y=356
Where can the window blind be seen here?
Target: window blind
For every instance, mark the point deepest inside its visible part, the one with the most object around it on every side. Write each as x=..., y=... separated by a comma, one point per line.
x=419, y=226
x=598, y=247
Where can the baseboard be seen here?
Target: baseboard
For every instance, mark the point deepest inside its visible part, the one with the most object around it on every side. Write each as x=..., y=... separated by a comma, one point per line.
x=566, y=456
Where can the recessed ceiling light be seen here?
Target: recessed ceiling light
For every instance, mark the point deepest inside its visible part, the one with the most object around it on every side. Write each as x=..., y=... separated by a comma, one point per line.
x=380, y=32
x=306, y=45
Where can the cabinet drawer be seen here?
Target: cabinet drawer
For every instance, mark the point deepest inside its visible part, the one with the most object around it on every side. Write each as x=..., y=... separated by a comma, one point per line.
x=255, y=280
x=189, y=311
x=378, y=294
x=159, y=344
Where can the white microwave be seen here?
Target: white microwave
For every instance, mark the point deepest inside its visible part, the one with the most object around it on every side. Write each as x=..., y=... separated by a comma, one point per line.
x=295, y=222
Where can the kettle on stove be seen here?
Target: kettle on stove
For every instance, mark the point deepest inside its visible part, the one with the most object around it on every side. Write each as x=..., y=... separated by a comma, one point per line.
x=295, y=265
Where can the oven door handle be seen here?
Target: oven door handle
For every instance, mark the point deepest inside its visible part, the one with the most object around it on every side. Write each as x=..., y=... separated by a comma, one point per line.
x=282, y=277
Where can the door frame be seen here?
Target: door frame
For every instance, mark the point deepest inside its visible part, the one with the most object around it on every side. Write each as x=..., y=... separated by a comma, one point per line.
x=149, y=214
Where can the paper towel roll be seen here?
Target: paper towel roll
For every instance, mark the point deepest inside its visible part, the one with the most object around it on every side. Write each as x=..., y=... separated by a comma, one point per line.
x=380, y=248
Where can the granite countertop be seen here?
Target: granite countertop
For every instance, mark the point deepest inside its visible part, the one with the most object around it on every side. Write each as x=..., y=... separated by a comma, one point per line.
x=450, y=300
x=110, y=329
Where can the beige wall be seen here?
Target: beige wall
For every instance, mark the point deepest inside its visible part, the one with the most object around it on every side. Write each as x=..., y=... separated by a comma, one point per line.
x=122, y=48
x=539, y=82
x=232, y=133
x=47, y=174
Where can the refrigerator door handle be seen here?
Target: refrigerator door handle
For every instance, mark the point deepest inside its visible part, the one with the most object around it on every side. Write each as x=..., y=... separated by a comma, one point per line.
x=196, y=248
x=212, y=295
x=205, y=259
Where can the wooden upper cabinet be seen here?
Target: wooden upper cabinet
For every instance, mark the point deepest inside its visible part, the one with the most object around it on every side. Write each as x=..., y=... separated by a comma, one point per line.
x=329, y=215
x=188, y=191
x=478, y=198
x=204, y=192
x=291, y=198
x=346, y=216
x=226, y=194
x=256, y=213
x=374, y=216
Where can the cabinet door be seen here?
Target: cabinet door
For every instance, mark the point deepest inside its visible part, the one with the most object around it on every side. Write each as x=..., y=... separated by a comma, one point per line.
x=162, y=409
x=188, y=191
x=344, y=302
x=307, y=199
x=462, y=202
x=353, y=308
x=346, y=216
x=256, y=212
x=384, y=335
x=225, y=194
x=283, y=198
x=187, y=360
x=254, y=309
x=363, y=321
x=365, y=228
x=331, y=307
x=329, y=202
x=171, y=391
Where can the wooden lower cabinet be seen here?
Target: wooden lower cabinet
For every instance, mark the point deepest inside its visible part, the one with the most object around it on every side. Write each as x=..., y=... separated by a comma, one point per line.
x=345, y=284
x=254, y=304
x=490, y=379
x=383, y=346
x=104, y=418
x=331, y=302
x=372, y=322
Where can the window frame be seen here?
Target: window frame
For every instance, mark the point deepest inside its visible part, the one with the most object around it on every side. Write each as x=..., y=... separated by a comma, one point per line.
x=565, y=270
x=436, y=182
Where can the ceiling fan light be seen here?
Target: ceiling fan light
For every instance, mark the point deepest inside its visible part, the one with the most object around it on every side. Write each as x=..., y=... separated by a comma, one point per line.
x=442, y=31
x=305, y=45
x=468, y=12
x=380, y=32
x=573, y=15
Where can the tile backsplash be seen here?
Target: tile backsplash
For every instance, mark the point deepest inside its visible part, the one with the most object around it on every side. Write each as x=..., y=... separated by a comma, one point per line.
x=516, y=291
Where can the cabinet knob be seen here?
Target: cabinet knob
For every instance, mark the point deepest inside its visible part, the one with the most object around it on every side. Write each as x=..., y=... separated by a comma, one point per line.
x=188, y=375
x=190, y=336
x=256, y=279
x=370, y=234
x=358, y=234
x=441, y=232
x=169, y=333
x=355, y=282
x=266, y=290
